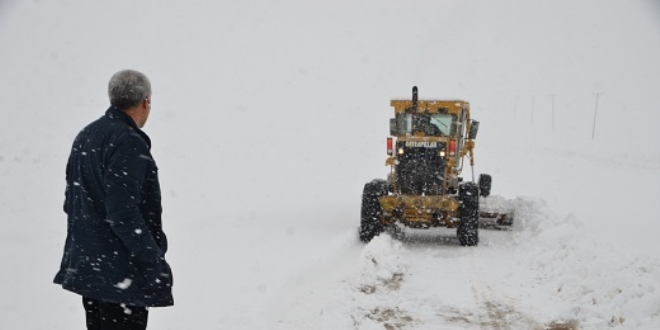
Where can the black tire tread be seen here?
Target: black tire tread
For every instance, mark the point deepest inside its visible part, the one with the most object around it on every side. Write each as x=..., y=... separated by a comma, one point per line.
x=485, y=183
x=371, y=214
x=468, y=230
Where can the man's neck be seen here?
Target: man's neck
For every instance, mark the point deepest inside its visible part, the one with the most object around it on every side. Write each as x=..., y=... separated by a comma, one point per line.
x=135, y=114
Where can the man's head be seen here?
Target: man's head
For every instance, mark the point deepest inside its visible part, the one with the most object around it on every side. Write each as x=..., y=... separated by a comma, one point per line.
x=130, y=91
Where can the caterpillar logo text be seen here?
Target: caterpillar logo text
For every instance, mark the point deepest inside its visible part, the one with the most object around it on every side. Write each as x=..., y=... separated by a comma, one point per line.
x=422, y=144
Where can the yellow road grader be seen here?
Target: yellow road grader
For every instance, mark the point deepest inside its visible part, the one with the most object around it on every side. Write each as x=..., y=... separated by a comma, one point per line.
x=429, y=141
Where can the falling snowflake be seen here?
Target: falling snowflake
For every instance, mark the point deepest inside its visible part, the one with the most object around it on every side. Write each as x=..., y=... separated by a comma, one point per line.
x=125, y=284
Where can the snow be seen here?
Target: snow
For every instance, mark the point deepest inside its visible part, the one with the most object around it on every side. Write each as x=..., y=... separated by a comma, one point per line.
x=125, y=284
x=268, y=118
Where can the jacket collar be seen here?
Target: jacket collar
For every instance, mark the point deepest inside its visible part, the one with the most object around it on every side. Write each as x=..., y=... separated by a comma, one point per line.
x=116, y=113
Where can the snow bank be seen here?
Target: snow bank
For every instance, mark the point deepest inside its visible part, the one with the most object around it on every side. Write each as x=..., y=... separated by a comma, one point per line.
x=546, y=273
x=588, y=281
x=366, y=298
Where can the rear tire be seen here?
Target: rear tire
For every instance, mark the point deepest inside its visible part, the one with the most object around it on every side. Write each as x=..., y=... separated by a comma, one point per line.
x=468, y=230
x=485, y=182
x=372, y=213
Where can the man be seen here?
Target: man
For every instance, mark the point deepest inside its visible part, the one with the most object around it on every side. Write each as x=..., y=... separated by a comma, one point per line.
x=115, y=246
x=425, y=125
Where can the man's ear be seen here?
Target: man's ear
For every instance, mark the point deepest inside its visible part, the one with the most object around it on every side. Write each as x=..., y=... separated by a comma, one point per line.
x=146, y=102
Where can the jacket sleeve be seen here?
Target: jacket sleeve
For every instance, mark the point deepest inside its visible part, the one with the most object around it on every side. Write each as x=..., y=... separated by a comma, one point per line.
x=66, y=189
x=124, y=176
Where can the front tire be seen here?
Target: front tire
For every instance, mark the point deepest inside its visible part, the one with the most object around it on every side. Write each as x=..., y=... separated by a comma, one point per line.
x=372, y=213
x=468, y=230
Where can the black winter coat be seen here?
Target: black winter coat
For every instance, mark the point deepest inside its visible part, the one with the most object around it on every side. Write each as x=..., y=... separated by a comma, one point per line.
x=115, y=245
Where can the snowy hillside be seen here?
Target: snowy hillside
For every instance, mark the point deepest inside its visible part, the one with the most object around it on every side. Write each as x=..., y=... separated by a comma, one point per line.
x=269, y=117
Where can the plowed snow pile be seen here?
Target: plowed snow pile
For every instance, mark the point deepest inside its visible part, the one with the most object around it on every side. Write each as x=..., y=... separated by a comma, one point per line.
x=545, y=274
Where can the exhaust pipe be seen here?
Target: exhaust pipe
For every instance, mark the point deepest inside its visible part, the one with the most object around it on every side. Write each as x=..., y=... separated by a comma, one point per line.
x=414, y=99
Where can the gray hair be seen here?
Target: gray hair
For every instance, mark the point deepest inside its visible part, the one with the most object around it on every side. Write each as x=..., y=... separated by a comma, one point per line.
x=128, y=88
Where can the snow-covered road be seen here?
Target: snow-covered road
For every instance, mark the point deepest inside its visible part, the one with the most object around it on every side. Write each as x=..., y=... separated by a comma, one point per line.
x=545, y=274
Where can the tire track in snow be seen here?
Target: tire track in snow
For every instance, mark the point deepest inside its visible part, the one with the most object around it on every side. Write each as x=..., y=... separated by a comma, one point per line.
x=500, y=309
x=495, y=317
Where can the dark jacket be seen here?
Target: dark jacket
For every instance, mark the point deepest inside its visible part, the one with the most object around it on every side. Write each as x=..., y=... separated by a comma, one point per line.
x=115, y=244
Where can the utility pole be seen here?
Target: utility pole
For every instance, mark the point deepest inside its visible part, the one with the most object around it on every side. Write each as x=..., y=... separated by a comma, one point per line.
x=593, y=129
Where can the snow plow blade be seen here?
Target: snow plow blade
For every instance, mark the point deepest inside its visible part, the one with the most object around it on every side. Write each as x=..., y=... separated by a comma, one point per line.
x=496, y=220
